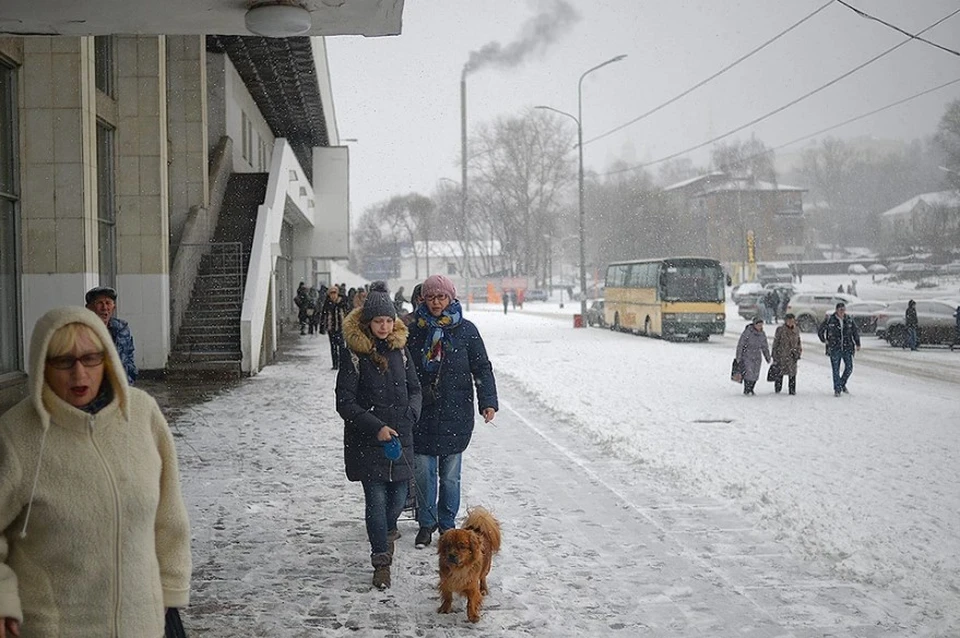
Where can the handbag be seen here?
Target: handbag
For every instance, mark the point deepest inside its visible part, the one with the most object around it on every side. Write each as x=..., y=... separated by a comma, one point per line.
x=173, y=626
x=773, y=372
x=736, y=375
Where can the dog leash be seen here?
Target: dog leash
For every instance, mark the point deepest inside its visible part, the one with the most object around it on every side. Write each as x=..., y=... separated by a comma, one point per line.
x=416, y=485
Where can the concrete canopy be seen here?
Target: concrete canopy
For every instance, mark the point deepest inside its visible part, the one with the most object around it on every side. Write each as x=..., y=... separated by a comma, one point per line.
x=182, y=17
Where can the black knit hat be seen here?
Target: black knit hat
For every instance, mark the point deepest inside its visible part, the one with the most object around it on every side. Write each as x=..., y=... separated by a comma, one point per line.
x=378, y=303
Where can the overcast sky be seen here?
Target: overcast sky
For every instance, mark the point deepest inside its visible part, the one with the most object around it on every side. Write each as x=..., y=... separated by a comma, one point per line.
x=400, y=96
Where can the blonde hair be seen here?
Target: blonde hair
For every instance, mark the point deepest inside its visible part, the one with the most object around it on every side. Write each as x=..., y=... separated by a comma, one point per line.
x=64, y=340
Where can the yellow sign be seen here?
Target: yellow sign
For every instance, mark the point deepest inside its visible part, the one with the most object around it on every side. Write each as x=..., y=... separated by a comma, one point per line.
x=751, y=248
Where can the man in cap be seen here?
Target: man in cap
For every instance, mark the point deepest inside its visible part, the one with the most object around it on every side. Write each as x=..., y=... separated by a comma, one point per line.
x=102, y=300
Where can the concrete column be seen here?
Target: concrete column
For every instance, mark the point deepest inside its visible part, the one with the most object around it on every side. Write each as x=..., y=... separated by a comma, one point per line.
x=143, y=196
x=187, y=129
x=58, y=174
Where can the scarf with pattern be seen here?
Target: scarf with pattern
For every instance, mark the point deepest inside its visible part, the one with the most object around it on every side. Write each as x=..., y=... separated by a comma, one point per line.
x=434, y=344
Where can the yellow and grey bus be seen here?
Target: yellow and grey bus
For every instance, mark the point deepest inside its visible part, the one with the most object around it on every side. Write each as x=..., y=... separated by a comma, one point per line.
x=673, y=298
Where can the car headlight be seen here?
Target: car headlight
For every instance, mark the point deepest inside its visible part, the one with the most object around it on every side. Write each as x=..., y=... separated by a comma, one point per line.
x=721, y=316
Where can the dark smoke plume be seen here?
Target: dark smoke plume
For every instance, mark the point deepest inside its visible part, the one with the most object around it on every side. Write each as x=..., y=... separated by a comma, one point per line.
x=536, y=35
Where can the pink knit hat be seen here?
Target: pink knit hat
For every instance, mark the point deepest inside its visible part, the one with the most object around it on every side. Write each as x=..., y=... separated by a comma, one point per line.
x=437, y=285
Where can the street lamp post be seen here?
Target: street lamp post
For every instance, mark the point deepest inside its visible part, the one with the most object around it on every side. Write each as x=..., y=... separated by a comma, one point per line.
x=582, y=230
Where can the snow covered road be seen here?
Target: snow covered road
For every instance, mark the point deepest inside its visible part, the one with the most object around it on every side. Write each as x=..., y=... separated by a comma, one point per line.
x=640, y=494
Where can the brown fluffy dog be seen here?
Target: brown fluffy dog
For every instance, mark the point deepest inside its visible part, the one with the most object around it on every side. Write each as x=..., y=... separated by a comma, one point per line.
x=465, y=558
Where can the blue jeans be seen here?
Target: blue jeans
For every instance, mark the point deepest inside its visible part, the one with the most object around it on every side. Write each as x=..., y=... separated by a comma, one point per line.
x=913, y=339
x=429, y=471
x=383, y=503
x=840, y=380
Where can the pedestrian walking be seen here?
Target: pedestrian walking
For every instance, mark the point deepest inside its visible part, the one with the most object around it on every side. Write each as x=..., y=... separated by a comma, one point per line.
x=956, y=330
x=300, y=300
x=313, y=305
x=102, y=300
x=378, y=396
x=913, y=326
x=787, y=349
x=751, y=348
x=331, y=321
x=399, y=300
x=451, y=361
x=416, y=299
x=506, y=300
x=94, y=534
x=842, y=338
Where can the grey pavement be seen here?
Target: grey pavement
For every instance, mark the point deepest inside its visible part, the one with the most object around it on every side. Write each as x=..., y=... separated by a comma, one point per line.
x=594, y=544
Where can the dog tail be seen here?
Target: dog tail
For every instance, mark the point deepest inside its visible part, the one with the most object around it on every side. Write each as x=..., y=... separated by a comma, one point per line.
x=484, y=523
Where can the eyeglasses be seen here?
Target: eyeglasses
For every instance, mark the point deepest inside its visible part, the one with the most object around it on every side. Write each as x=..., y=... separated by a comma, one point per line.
x=66, y=362
x=435, y=298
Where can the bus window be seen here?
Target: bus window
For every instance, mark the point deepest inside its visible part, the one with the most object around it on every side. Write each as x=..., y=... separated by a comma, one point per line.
x=691, y=283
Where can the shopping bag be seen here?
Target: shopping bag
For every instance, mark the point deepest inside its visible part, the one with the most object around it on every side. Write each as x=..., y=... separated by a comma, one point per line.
x=735, y=374
x=773, y=372
x=174, y=627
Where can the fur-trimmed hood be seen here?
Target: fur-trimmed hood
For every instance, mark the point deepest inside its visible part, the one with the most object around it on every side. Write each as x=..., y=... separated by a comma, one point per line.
x=359, y=343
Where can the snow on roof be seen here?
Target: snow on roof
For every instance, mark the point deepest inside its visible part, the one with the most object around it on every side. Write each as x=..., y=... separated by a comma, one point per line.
x=950, y=199
x=693, y=180
x=750, y=185
x=453, y=249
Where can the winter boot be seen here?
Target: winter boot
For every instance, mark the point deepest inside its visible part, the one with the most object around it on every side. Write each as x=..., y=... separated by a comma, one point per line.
x=424, y=537
x=792, y=385
x=778, y=385
x=381, y=569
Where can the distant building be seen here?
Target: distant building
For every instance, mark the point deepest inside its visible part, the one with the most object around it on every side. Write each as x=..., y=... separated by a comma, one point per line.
x=717, y=212
x=449, y=257
x=923, y=221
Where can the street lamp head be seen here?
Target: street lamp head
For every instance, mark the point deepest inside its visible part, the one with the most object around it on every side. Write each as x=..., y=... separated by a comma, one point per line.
x=619, y=57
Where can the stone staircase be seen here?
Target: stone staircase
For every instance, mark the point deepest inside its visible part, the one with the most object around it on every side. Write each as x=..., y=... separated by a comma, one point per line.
x=208, y=343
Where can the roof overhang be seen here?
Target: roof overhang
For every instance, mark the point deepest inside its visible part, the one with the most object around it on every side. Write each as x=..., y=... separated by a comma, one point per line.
x=188, y=17
x=284, y=77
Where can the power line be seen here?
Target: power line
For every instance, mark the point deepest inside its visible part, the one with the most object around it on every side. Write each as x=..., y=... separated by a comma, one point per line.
x=712, y=77
x=781, y=108
x=854, y=119
x=864, y=14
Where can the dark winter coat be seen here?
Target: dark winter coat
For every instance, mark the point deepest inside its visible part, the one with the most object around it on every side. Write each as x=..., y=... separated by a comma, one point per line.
x=752, y=349
x=446, y=425
x=787, y=349
x=332, y=314
x=301, y=301
x=368, y=399
x=910, y=318
x=839, y=336
x=123, y=340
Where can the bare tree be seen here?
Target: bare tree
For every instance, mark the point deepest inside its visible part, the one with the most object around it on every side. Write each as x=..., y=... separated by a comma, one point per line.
x=522, y=167
x=410, y=218
x=751, y=159
x=948, y=137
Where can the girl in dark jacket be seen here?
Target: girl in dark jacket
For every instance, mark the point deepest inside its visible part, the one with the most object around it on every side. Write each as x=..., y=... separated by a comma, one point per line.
x=451, y=360
x=378, y=396
x=331, y=321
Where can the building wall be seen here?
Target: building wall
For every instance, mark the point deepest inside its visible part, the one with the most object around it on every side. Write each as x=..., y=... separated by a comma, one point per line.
x=244, y=123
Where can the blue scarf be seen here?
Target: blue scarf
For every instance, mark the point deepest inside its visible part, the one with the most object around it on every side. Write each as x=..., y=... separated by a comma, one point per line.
x=434, y=344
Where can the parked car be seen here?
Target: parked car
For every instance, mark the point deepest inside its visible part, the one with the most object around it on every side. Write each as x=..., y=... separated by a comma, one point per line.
x=595, y=314
x=894, y=311
x=935, y=316
x=774, y=274
x=866, y=314
x=747, y=287
x=811, y=308
x=536, y=295
x=877, y=269
x=857, y=269
x=750, y=304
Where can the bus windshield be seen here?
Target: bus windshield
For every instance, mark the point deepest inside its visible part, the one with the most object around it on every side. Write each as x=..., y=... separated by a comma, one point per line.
x=691, y=282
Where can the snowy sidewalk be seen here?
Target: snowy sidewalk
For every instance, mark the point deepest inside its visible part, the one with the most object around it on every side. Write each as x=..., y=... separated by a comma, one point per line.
x=594, y=545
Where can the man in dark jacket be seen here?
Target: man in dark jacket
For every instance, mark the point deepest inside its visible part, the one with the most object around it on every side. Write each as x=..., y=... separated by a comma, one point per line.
x=842, y=337
x=102, y=300
x=912, y=325
x=451, y=360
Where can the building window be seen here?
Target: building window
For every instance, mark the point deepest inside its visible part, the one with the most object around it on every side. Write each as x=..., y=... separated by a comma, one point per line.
x=10, y=359
x=106, y=204
x=103, y=47
x=452, y=268
x=243, y=135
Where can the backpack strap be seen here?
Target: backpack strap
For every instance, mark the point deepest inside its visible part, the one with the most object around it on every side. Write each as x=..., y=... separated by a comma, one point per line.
x=356, y=361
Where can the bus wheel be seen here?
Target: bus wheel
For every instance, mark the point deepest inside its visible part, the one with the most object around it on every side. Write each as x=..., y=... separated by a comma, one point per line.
x=646, y=327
